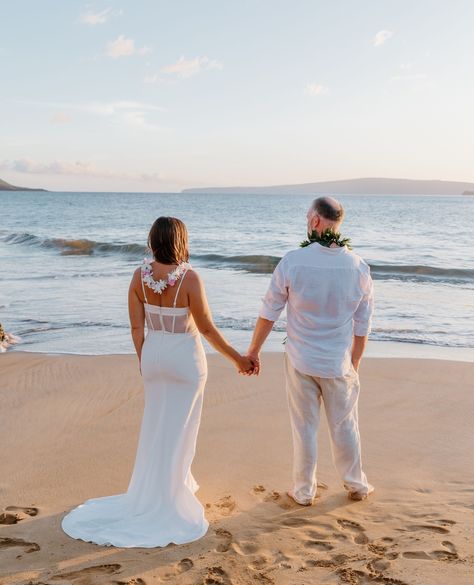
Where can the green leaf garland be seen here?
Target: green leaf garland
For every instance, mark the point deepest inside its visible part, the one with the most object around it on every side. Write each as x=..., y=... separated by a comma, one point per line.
x=327, y=238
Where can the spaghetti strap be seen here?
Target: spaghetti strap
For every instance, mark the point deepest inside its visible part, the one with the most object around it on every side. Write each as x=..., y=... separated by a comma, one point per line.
x=179, y=287
x=143, y=284
x=176, y=296
x=144, y=294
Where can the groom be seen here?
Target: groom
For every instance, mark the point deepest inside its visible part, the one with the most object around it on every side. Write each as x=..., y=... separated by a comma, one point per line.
x=329, y=296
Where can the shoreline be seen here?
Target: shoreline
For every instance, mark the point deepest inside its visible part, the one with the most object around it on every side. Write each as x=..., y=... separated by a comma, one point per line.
x=375, y=349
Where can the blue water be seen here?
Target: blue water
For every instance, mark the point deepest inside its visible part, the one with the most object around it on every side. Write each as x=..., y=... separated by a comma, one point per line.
x=66, y=260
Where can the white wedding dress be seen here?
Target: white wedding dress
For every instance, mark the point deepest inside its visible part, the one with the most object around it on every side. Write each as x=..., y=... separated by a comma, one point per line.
x=160, y=506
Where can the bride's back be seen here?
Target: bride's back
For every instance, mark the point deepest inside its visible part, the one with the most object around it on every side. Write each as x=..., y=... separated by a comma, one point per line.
x=167, y=311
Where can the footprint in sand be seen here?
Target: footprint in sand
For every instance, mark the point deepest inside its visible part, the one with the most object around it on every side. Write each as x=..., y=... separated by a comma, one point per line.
x=183, y=566
x=226, y=540
x=6, y=518
x=326, y=563
x=245, y=547
x=450, y=554
x=359, y=534
x=319, y=545
x=10, y=542
x=378, y=565
x=262, y=578
x=272, y=497
x=215, y=576
x=356, y=577
x=317, y=535
x=425, y=527
x=282, y=501
x=95, y=571
x=226, y=505
x=418, y=555
x=444, y=522
x=295, y=521
x=14, y=514
x=378, y=549
x=29, y=511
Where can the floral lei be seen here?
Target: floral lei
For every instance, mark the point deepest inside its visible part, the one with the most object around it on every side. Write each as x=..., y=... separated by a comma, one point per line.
x=327, y=238
x=159, y=286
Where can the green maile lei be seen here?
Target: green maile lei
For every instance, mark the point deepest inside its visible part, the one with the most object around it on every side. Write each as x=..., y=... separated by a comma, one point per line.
x=326, y=239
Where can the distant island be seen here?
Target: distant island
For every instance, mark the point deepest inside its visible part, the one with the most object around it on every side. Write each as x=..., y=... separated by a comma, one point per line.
x=4, y=186
x=366, y=186
x=468, y=193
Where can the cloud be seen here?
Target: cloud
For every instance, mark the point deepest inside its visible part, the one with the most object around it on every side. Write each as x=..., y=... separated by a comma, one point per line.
x=29, y=166
x=93, y=18
x=131, y=113
x=116, y=108
x=381, y=37
x=314, y=89
x=123, y=47
x=61, y=118
x=414, y=77
x=188, y=67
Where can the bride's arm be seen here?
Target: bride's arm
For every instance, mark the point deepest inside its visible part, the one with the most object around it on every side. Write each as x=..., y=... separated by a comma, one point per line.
x=203, y=318
x=136, y=313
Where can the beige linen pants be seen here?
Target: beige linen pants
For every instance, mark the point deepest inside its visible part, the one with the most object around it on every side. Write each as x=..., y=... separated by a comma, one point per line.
x=340, y=396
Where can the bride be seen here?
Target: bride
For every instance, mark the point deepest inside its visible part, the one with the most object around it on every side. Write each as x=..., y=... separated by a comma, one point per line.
x=160, y=506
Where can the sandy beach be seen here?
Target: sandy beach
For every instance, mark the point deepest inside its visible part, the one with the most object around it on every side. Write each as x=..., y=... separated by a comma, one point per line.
x=69, y=429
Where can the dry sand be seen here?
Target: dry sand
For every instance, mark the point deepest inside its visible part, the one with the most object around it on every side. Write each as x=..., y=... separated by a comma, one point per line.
x=68, y=432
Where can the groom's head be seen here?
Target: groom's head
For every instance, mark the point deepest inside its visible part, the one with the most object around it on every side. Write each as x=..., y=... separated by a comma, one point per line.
x=324, y=213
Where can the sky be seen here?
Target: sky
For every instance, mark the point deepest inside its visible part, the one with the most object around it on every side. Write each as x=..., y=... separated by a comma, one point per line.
x=158, y=96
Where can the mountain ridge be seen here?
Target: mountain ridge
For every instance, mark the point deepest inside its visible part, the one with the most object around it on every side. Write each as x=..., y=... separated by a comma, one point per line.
x=359, y=186
x=4, y=186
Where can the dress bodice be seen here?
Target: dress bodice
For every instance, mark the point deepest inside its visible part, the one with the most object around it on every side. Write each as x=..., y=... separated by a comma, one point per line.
x=169, y=319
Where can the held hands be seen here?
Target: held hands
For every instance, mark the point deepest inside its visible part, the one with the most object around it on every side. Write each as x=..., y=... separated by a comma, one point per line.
x=247, y=365
x=250, y=364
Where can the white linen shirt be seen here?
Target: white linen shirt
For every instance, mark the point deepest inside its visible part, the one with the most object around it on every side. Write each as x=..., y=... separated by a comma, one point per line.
x=329, y=297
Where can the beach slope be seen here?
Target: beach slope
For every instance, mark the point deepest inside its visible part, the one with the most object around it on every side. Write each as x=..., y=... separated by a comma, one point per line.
x=69, y=429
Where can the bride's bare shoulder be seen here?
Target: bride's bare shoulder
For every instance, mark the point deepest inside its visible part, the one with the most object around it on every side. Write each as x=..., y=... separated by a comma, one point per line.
x=193, y=278
x=136, y=277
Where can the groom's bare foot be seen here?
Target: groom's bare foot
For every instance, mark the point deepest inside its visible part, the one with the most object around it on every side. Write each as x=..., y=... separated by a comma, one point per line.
x=300, y=502
x=359, y=496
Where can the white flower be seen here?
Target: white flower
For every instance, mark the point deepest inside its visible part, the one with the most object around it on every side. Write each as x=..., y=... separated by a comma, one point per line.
x=158, y=286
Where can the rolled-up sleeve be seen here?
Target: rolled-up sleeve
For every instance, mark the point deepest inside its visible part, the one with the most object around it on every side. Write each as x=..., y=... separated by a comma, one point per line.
x=277, y=294
x=365, y=309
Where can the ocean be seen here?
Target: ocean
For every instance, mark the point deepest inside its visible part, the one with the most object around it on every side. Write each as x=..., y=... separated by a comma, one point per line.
x=66, y=260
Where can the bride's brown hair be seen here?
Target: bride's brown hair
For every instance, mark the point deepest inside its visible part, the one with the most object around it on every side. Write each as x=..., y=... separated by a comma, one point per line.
x=168, y=240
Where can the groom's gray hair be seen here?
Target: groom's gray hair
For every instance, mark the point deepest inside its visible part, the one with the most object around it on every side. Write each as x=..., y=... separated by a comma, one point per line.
x=329, y=208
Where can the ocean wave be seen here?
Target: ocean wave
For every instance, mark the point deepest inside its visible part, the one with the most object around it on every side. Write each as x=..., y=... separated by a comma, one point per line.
x=422, y=271
x=259, y=264
x=266, y=265
x=253, y=263
x=38, y=326
x=75, y=247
